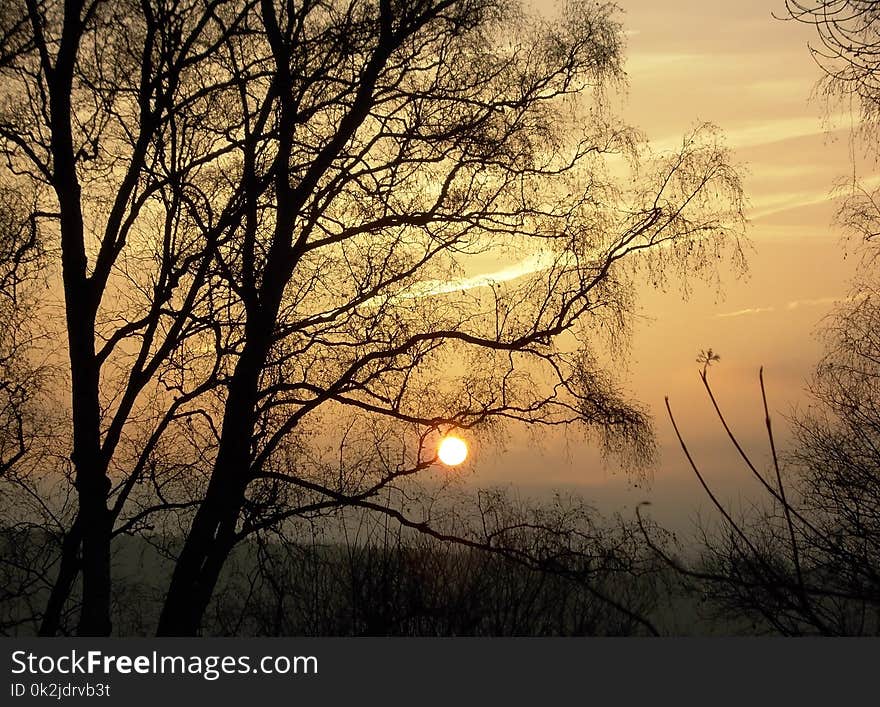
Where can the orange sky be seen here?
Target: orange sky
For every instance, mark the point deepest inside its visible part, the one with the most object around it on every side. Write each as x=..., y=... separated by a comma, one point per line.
x=733, y=64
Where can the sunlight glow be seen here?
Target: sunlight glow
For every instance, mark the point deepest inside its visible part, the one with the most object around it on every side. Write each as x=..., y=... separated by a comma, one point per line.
x=452, y=451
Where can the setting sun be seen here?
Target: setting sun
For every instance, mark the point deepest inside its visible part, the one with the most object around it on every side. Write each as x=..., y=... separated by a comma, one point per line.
x=452, y=451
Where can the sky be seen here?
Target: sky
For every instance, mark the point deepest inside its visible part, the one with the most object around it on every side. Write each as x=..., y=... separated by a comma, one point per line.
x=732, y=64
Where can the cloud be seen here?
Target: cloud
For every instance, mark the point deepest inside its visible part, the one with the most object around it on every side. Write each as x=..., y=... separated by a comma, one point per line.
x=538, y=262
x=761, y=132
x=772, y=204
x=769, y=205
x=744, y=312
x=818, y=302
x=789, y=306
x=799, y=86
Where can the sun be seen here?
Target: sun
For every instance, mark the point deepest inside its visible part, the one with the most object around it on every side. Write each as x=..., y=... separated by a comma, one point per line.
x=452, y=450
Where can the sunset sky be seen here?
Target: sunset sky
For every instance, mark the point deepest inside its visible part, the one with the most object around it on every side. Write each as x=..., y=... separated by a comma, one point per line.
x=733, y=64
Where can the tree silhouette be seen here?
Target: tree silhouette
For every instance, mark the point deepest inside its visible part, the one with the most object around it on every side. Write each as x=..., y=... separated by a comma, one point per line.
x=806, y=560
x=847, y=47
x=847, y=51
x=269, y=218
x=25, y=422
x=549, y=569
x=436, y=132
x=100, y=103
x=20, y=252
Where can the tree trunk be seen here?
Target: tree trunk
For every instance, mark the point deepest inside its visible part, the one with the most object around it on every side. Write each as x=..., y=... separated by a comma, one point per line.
x=92, y=483
x=195, y=574
x=211, y=535
x=67, y=571
x=81, y=303
x=95, y=616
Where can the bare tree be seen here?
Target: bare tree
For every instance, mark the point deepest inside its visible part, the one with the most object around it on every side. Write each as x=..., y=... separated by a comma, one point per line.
x=406, y=140
x=100, y=104
x=838, y=449
x=19, y=253
x=847, y=47
x=514, y=568
x=36, y=513
x=268, y=218
x=806, y=560
x=847, y=50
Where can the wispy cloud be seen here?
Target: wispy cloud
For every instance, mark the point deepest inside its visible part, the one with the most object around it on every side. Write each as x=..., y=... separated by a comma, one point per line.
x=763, y=206
x=745, y=312
x=771, y=204
x=817, y=302
x=789, y=306
x=762, y=132
x=527, y=266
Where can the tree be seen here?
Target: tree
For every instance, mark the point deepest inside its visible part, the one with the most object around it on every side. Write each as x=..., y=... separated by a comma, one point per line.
x=405, y=140
x=847, y=51
x=267, y=215
x=19, y=253
x=100, y=103
x=25, y=416
x=847, y=31
x=806, y=560
x=531, y=569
